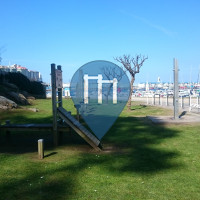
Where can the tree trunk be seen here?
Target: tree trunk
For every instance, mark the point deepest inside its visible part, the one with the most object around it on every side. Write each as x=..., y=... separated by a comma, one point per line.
x=129, y=100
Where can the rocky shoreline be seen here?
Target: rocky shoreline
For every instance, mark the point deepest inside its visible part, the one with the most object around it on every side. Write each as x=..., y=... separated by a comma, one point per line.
x=11, y=97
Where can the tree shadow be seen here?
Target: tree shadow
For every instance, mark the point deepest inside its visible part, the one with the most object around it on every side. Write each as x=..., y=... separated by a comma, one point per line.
x=132, y=145
x=134, y=138
x=40, y=184
x=19, y=142
x=140, y=143
x=138, y=107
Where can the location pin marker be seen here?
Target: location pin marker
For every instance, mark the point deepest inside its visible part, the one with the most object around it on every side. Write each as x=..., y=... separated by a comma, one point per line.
x=100, y=89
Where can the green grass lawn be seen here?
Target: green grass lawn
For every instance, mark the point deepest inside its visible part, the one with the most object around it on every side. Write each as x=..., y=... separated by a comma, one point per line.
x=140, y=160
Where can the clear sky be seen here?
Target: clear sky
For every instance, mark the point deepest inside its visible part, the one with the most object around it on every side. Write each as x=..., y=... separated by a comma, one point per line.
x=36, y=33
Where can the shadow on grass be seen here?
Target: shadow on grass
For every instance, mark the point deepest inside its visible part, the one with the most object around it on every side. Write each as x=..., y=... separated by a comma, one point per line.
x=141, y=142
x=132, y=138
x=50, y=154
x=132, y=145
x=20, y=142
x=26, y=141
x=138, y=107
x=40, y=184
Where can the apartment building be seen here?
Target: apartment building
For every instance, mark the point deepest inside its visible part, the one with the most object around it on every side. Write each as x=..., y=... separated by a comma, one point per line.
x=32, y=75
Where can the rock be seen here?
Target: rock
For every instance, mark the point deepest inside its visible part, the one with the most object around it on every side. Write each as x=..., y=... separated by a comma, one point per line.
x=31, y=98
x=7, y=103
x=18, y=98
x=25, y=93
x=3, y=107
x=33, y=109
x=11, y=86
x=23, y=99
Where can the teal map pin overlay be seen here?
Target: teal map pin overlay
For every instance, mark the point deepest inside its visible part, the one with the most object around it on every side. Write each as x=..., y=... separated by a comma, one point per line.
x=100, y=91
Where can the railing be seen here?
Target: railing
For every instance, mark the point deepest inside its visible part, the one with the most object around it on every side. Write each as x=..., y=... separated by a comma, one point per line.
x=190, y=103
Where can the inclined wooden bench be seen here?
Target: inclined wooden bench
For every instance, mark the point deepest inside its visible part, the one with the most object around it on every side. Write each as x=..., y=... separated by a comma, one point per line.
x=79, y=128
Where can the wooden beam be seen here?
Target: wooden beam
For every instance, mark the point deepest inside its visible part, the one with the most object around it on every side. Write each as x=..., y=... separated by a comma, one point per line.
x=79, y=128
x=59, y=90
x=32, y=127
x=54, y=104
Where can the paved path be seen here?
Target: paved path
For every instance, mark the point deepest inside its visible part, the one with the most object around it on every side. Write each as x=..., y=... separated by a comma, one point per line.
x=186, y=119
x=187, y=116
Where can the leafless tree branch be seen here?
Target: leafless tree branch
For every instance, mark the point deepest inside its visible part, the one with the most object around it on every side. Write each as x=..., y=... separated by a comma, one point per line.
x=132, y=65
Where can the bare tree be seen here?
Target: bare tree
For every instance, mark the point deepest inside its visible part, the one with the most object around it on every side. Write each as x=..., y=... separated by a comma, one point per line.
x=132, y=65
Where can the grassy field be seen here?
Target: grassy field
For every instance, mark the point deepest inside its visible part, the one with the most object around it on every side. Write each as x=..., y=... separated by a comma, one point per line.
x=140, y=160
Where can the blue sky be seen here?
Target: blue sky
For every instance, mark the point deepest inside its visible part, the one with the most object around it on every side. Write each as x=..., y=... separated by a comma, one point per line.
x=72, y=33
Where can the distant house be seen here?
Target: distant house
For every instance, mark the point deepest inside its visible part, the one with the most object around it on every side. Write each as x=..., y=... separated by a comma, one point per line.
x=66, y=90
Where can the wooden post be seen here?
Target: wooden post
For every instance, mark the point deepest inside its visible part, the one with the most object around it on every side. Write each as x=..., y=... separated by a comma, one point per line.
x=54, y=104
x=60, y=103
x=40, y=148
x=59, y=90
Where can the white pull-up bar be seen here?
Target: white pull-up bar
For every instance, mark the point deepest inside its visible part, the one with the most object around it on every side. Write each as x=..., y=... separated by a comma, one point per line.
x=99, y=82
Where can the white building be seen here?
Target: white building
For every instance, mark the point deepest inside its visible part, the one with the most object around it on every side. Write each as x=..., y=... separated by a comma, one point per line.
x=32, y=75
x=66, y=89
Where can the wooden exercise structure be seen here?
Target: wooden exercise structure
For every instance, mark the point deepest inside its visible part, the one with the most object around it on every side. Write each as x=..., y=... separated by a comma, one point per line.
x=59, y=113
